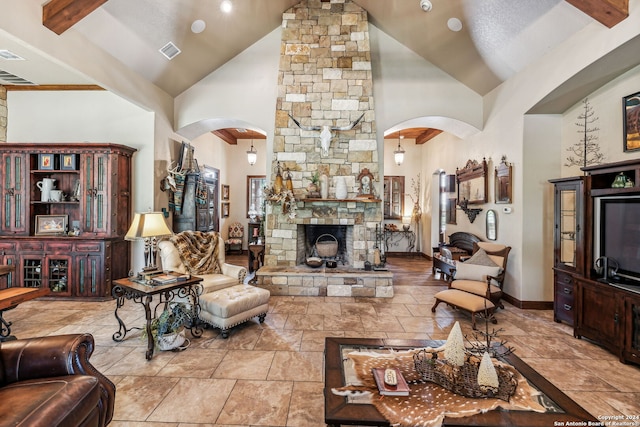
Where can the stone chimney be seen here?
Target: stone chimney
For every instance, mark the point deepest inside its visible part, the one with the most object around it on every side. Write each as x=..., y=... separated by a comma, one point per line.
x=325, y=80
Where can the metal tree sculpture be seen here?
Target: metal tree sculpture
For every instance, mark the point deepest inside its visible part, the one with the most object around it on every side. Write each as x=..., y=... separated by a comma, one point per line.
x=586, y=151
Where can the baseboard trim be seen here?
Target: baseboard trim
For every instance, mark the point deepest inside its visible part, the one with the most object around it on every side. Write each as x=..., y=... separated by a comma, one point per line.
x=528, y=305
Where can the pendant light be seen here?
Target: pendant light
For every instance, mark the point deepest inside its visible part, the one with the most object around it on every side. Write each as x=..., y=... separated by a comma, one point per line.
x=398, y=155
x=252, y=155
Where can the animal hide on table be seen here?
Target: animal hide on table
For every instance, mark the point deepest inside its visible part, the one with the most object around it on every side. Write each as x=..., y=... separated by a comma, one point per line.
x=428, y=403
x=198, y=251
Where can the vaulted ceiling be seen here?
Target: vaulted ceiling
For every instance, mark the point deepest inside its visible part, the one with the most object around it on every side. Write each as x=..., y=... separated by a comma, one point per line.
x=497, y=39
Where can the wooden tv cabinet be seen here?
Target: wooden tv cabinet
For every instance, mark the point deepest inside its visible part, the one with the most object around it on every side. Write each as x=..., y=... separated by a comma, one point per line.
x=606, y=313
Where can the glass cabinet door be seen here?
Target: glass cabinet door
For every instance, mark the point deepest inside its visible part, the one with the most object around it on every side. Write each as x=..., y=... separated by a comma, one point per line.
x=568, y=242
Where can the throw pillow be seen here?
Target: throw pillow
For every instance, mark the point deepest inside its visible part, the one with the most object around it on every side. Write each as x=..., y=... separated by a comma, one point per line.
x=481, y=258
x=466, y=271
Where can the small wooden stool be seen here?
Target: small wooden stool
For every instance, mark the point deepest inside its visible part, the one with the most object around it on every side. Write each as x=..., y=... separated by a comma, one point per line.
x=466, y=301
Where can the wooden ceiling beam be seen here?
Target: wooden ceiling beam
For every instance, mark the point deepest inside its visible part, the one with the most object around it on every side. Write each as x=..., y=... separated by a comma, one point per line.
x=60, y=15
x=226, y=136
x=607, y=12
x=427, y=135
x=51, y=87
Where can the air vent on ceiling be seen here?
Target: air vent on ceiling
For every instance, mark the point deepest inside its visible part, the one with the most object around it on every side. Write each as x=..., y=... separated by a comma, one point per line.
x=7, y=54
x=170, y=50
x=12, y=79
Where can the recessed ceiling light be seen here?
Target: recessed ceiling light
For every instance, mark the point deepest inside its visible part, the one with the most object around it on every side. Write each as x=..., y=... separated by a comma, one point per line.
x=226, y=6
x=7, y=54
x=198, y=26
x=454, y=24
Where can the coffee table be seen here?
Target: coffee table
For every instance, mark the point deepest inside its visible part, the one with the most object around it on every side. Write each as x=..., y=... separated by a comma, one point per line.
x=338, y=411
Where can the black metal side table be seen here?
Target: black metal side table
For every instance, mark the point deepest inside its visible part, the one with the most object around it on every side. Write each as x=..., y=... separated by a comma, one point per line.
x=141, y=293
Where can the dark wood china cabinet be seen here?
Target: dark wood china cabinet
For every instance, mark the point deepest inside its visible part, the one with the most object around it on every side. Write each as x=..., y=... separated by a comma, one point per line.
x=85, y=250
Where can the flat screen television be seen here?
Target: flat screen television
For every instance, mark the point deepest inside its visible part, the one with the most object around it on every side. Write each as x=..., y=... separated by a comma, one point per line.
x=617, y=236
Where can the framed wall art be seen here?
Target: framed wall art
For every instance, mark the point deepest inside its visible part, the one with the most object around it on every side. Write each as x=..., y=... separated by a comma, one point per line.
x=51, y=224
x=68, y=162
x=225, y=210
x=631, y=122
x=503, y=182
x=225, y=192
x=46, y=162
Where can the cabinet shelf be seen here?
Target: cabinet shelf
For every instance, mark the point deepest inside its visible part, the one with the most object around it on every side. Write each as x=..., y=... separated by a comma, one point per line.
x=614, y=191
x=52, y=171
x=68, y=202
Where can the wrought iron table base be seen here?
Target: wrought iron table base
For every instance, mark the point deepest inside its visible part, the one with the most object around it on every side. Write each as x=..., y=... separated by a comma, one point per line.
x=189, y=289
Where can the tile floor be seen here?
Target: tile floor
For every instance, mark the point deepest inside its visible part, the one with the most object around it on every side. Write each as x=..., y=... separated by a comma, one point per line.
x=272, y=374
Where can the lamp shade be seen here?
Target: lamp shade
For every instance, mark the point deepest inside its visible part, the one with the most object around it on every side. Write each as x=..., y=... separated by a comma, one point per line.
x=252, y=155
x=398, y=155
x=147, y=224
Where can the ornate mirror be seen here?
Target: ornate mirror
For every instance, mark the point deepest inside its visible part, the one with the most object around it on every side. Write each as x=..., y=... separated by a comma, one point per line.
x=492, y=225
x=503, y=182
x=472, y=183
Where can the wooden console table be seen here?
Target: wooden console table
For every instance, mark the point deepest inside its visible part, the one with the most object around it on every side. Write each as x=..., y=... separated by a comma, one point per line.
x=10, y=298
x=339, y=411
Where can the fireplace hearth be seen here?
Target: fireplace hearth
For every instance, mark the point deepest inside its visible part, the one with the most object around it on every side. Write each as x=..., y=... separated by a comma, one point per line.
x=309, y=235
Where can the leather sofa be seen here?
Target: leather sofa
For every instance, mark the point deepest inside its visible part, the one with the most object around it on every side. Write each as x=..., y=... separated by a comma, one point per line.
x=49, y=381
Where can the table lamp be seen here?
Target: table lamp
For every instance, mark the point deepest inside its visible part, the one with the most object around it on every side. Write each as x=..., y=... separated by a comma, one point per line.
x=148, y=226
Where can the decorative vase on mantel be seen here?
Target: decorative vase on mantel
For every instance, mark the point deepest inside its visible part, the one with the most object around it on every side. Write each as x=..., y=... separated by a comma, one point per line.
x=324, y=187
x=341, y=188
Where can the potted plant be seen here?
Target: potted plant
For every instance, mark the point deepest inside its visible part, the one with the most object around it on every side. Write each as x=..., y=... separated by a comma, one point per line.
x=314, y=186
x=168, y=328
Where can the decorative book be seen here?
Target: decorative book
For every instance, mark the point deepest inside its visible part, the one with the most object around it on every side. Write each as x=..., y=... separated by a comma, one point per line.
x=164, y=279
x=385, y=389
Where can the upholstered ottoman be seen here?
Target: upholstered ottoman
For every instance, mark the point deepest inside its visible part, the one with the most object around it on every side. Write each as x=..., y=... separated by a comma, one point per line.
x=228, y=307
x=466, y=301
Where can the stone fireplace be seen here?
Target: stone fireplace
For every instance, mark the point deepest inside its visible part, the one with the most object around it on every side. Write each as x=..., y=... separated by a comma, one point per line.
x=324, y=80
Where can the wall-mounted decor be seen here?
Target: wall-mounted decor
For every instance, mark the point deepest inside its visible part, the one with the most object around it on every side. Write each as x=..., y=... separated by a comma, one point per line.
x=186, y=161
x=51, y=224
x=472, y=182
x=503, y=182
x=46, y=162
x=492, y=225
x=225, y=192
x=586, y=151
x=631, y=114
x=471, y=213
x=225, y=210
x=68, y=162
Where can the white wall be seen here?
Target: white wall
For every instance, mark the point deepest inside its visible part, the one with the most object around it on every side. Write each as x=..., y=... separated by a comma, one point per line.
x=607, y=107
x=93, y=116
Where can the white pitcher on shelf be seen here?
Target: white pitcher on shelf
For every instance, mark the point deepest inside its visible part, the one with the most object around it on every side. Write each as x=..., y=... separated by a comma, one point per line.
x=45, y=186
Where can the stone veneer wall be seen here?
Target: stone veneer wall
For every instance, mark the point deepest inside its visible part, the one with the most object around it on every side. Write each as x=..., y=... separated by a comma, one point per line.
x=324, y=79
x=3, y=114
